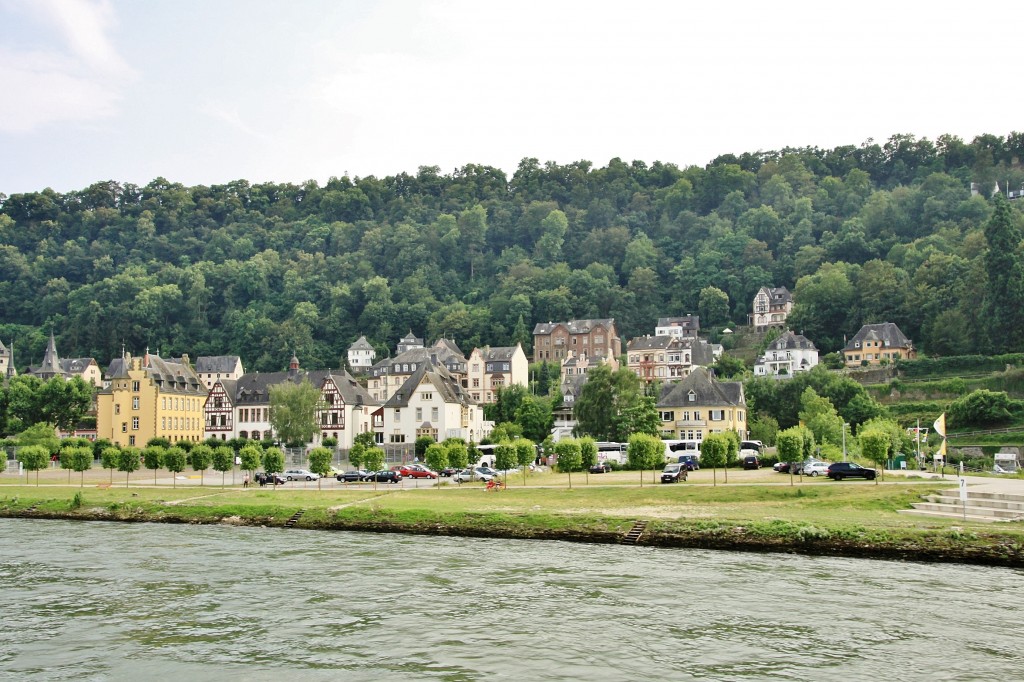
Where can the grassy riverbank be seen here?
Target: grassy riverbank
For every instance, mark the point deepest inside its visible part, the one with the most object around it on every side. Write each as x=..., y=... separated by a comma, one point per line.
x=816, y=517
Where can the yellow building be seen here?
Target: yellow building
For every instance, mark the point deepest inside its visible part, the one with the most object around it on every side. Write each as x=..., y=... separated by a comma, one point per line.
x=699, y=405
x=150, y=397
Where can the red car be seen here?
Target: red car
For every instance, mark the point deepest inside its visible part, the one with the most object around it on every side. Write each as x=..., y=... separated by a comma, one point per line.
x=416, y=471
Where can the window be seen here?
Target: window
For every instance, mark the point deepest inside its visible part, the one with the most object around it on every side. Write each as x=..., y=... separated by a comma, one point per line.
x=135, y=386
x=668, y=416
x=419, y=414
x=163, y=423
x=691, y=396
x=428, y=396
x=398, y=414
x=397, y=437
x=717, y=415
x=131, y=440
x=135, y=423
x=433, y=414
x=135, y=402
x=117, y=409
x=124, y=427
x=696, y=415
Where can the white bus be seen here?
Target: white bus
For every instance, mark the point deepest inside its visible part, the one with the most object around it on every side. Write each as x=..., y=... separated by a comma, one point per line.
x=675, y=448
x=611, y=451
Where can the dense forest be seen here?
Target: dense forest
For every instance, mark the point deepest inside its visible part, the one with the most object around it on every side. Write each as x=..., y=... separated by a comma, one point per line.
x=868, y=233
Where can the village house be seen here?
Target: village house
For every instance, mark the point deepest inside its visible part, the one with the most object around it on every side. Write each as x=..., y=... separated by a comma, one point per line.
x=667, y=358
x=772, y=306
x=7, y=362
x=432, y=402
x=787, y=355
x=686, y=327
x=361, y=356
x=593, y=338
x=150, y=397
x=698, y=405
x=54, y=366
x=491, y=369
x=876, y=344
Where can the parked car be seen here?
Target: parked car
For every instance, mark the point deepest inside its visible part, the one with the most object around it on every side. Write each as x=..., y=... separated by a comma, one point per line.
x=600, y=468
x=840, y=470
x=488, y=471
x=751, y=462
x=476, y=474
x=692, y=462
x=673, y=473
x=270, y=479
x=815, y=468
x=353, y=476
x=447, y=472
x=384, y=476
x=781, y=467
x=416, y=471
x=300, y=474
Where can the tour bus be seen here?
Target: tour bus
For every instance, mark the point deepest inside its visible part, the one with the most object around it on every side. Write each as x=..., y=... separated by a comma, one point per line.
x=675, y=449
x=611, y=452
x=751, y=447
x=486, y=455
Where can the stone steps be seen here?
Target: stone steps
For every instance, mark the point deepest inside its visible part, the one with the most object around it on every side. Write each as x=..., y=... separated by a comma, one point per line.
x=981, y=506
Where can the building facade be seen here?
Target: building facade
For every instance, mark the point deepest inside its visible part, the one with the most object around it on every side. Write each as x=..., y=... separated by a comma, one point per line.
x=787, y=355
x=150, y=397
x=878, y=343
x=432, y=402
x=491, y=369
x=553, y=341
x=772, y=306
x=686, y=327
x=361, y=356
x=667, y=358
x=700, y=404
x=388, y=375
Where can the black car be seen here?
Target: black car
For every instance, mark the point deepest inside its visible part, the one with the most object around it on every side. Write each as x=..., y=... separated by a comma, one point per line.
x=673, y=473
x=383, y=476
x=691, y=462
x=751, y=462
x=600, y=468
x=352, y=476
x=840, y=470
x=270, y=479
x=447, y=472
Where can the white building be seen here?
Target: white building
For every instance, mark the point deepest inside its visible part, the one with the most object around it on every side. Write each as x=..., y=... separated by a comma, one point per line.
x=361, y=356
x=432, y=402
x=787, y=355
x=491, y=369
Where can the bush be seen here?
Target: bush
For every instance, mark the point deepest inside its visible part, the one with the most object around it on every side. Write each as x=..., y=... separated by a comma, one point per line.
x=982, y=408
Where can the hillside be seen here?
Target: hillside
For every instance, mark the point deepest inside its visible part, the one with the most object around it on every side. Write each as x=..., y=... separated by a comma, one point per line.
x=876, y=232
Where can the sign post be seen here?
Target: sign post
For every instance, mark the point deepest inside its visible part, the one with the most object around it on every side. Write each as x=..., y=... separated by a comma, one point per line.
x=963, y=495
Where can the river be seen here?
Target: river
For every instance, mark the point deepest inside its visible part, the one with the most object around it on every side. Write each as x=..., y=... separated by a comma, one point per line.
x=111, y=601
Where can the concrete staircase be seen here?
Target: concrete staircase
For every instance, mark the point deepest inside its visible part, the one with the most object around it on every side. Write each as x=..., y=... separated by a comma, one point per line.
x=981, y=506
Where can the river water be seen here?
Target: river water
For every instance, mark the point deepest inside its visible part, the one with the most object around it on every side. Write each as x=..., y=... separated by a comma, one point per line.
x=110, y=601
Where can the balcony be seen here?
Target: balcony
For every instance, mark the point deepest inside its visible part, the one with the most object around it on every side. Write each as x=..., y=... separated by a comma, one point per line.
x=681, y=423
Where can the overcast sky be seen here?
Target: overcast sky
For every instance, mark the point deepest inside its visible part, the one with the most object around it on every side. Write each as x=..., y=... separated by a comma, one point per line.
x=205, y=92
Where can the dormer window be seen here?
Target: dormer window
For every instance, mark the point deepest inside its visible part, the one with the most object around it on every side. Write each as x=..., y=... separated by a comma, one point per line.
x=856, y=344
x=691, y=396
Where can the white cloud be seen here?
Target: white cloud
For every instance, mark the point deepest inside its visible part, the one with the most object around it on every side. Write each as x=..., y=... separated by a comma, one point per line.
x=77, y=77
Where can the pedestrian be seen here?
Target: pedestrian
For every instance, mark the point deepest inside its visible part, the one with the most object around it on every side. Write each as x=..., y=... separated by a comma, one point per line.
x=245, y=481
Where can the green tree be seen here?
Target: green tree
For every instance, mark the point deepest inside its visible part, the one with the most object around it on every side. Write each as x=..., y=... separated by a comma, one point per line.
x=81, y=461
x=109, y=459
x=33, y=458
x=504, y=457
x=129, y=460
x=535, y=416
x=223, y=460
x=252, y=457
x=525, y=454
x=422, y=443
x=713, y=305
x=153, y=458
x=819, y=415
x=201, y=456
x=1004, y=292
x=293, y=408
x=764, y=428
x=639, y=415
x=373, y=460
x=874, y=444
x=790, y=446
x=320, y=463
x=644, y=452
x=40, y=434
x=273, y=462
x=356, y=453
x=569, y=457
x=595, y=407
x=713, y=452
x=728, y=367
x=588, y=453
x=981, y=407
x=506, y=431
x=458, y=454
x=174, y=459
x=436, y=456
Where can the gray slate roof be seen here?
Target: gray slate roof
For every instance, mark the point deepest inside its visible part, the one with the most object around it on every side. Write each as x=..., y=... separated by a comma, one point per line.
x=361, y=344
x=254, y=389
x=708, y=392
x=790, y=341
x=75, y=365
x=448, y=387
x=216, y=364
x=886, y=332
x=686, y=322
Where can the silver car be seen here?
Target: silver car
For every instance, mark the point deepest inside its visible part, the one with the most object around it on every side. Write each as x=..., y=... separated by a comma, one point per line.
x=815, y=468
x=300, y=475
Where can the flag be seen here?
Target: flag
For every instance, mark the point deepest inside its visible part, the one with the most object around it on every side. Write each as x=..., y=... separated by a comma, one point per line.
x=941, y=453
x=940, y=425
